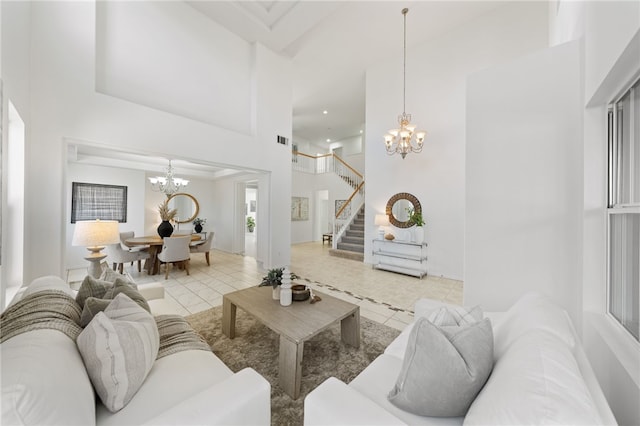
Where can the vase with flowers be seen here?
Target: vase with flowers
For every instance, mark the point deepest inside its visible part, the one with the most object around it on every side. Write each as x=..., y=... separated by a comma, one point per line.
x=165, y=229
x=197, y=224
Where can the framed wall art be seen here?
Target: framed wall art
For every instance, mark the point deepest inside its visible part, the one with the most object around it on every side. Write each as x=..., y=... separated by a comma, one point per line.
x=299, y=208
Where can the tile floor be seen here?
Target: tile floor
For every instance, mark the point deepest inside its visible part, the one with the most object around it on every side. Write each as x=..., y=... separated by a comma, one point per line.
x=385, y=297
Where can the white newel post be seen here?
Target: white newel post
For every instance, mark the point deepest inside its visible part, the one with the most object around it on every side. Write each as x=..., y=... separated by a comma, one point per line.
x=285, y=290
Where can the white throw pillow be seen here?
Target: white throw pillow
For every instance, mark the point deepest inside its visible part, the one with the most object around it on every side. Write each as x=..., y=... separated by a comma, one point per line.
x=119, y=347
x=532, y=311
x=444, y=368
x=537, y=381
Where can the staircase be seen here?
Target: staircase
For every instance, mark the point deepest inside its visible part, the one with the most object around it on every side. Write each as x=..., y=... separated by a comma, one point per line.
x=351, y=245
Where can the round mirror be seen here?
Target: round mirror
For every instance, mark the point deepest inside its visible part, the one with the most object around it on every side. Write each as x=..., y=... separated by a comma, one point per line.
x=398, y=209
x=187, y=206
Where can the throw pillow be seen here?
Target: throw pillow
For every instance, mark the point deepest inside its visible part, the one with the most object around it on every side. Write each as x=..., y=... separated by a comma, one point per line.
x=123, y=286
x=92, y=287
x=444, y=368
x=455, y=315
x=119, y=347
x=92, y=306
x=110, y=275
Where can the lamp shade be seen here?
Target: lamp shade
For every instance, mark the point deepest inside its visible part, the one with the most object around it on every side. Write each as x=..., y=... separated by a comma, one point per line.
x=92, y=233
x=381, y=220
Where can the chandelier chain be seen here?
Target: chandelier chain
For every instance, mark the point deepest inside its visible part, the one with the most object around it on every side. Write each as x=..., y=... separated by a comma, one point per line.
x=404, y=140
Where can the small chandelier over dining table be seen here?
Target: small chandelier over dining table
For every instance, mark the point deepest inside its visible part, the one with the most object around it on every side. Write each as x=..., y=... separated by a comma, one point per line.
x=168, y=184
x=400, y=141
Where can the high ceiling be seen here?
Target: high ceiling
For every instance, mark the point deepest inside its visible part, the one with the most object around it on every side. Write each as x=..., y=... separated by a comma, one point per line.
x=331, y=44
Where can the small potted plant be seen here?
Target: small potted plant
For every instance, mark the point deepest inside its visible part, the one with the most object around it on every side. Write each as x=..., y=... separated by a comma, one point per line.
x=165, y=229
x=274, y=279
x=251, y=223
x=416, y=219
x=197, y=224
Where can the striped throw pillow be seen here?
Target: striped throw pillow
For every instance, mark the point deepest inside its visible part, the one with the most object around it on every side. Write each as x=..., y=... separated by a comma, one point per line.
x=119, y=347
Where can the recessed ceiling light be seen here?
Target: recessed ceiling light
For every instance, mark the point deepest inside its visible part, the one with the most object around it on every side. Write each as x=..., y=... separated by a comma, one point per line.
x=360, y=131
x=328, y=140
x=325, y=112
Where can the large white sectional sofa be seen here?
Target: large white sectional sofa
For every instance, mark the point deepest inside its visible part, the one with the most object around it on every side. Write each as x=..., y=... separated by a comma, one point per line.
x=44, y=381
x=540, y=376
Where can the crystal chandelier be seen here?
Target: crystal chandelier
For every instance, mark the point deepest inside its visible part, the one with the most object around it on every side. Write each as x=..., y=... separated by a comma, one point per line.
x=168, y=184
x=399, y=141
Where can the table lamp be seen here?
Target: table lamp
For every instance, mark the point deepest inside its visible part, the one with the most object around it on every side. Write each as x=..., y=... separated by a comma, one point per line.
x=94, y=235
x=381, y=220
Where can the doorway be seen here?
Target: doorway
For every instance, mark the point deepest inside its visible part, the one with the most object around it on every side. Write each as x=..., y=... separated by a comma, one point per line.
x=251, y=224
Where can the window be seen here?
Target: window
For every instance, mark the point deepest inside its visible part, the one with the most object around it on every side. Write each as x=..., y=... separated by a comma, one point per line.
x=624, y=210
x=90, y=201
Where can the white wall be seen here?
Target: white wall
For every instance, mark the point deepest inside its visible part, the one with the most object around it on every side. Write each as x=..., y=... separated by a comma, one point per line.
x=65, y=104
x=14, y=57
x=612, y=61
x=436, y=81
x=524, y=181
x=307, y=185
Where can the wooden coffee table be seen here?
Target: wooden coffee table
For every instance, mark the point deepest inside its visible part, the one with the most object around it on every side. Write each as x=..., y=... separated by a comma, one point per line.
x=295, y=323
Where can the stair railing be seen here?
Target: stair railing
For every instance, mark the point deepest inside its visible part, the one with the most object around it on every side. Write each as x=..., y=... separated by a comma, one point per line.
x=310, y=163
x=340, y=225
x=331, y=163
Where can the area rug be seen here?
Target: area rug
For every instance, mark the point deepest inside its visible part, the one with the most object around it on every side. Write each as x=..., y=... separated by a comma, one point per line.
x=324, y=356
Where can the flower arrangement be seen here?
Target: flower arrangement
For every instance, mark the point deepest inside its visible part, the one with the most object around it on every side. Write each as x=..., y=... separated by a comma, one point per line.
x=199, y=221
x=274, y=278
x=166, y=214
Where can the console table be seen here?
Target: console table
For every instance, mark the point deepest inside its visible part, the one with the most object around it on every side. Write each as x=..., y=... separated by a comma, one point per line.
x=404, y=257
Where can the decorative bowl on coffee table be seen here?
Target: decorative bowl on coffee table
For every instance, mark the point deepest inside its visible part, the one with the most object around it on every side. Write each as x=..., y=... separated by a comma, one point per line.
x=299, y=292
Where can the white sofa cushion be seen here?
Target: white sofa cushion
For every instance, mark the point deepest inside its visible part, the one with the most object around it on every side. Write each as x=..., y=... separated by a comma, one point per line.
x=48, y=282
x=444, y=368
x=187, y=373
x=536, y=381
x=44, y=381
x=532, y=311
x=119, y=347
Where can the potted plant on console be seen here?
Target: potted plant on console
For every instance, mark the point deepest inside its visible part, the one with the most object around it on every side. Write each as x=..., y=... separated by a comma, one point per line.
x=165, y=229
x=416, y=219
x=197, y=224
x=274, y=279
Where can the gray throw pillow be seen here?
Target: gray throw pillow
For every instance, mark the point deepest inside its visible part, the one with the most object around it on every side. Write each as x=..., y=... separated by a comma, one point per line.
x=123, y=286
x=92, y=306
x=110, y=275
x=444, y=368
x=119, y=347
x=455, y=315
x=92, y=287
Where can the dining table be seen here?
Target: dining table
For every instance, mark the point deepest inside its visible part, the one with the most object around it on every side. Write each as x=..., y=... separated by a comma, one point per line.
x=155, y=242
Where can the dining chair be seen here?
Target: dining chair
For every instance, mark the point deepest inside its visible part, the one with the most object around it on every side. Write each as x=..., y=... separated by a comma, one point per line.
x=118, y=256
x=203, y=246
x=175, y=250
x=124, y=236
